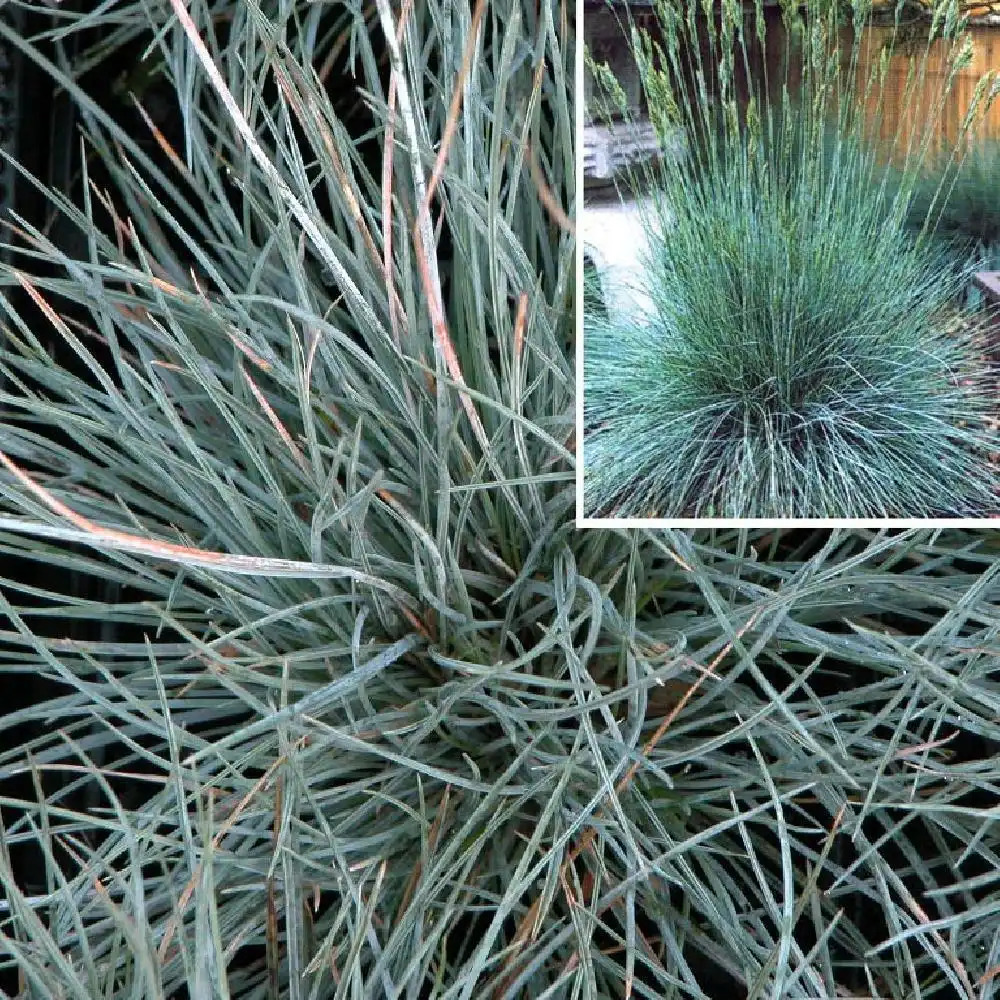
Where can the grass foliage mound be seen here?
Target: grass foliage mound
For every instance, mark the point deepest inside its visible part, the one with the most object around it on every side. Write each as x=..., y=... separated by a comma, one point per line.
x=804, y=358
x=800, y=363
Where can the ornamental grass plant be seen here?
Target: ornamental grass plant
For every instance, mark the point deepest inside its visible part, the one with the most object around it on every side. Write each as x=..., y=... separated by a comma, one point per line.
x=342, y=704
x=804, y=359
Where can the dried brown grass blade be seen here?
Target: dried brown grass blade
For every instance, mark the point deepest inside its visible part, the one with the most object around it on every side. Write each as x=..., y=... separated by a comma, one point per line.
x=455, y=109
x=276, y=423
x=547, y=198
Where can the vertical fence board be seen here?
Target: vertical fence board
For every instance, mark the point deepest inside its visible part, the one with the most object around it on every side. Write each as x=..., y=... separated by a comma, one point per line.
x=911, y=106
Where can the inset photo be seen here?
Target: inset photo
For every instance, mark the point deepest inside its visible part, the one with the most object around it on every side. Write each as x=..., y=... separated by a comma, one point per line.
x=791, y=255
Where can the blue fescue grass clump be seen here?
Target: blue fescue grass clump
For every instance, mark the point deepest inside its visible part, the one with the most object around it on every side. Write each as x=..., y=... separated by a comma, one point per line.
x=804, y=360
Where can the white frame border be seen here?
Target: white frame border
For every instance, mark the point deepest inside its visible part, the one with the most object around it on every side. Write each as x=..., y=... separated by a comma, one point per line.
x=657, y=523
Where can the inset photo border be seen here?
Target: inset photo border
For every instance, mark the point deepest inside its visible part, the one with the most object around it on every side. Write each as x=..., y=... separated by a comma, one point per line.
x=788, y=267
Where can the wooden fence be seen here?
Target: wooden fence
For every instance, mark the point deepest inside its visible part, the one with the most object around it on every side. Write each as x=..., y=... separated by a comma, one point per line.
x=903, y=111
x=914, y=101
x=911, y=103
